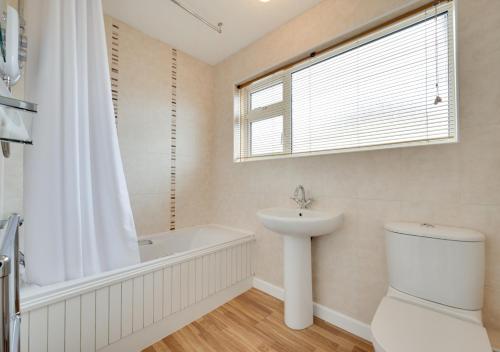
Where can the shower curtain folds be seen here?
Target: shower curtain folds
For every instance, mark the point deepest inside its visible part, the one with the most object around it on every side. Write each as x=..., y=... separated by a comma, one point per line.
x=78, y=219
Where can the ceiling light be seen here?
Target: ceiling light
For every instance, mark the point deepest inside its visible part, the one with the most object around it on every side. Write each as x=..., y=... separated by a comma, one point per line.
x=264, y=0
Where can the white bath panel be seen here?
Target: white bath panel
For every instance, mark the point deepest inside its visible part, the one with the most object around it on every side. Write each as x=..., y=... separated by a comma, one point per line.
x=38, y=332
x=239, y=258
x=115, y=313
x=127, y=307
x=244, y=254
x=25, y=324
x=158, y=295
x=148, y=299
x=192, y=283
x=206, y=275
x=128, y=312
x=102, y=317
x=72, y=322
x=184, y=285
x=176, y=288
x=229, y=266
x=199, y=278
x=211, y=274
x=88, y=325
x=138, y=304
x=234, y=266
x=167, y=292
x=56, y=327
x=223, y=269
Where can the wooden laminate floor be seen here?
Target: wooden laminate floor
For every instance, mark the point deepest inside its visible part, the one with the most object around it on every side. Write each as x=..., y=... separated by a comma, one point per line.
x=254, y=322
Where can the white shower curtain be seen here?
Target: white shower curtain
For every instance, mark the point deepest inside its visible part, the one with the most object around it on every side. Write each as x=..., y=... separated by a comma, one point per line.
x=78, y=219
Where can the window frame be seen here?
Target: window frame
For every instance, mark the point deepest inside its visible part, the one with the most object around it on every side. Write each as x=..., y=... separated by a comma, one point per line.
x=246, y=116
x=282, y=108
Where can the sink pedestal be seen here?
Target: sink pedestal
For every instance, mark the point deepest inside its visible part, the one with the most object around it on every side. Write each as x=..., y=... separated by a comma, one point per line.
x=298, y=282
x=298, y=226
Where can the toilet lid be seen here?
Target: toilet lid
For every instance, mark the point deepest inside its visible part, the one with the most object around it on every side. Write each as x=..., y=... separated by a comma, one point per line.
x=400, y=326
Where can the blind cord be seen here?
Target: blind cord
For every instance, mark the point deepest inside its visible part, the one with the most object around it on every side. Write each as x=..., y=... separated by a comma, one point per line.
x=438, y=97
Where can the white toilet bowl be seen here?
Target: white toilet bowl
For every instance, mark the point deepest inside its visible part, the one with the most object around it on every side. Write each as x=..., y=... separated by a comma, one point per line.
x=434, y=301
x=400, y=326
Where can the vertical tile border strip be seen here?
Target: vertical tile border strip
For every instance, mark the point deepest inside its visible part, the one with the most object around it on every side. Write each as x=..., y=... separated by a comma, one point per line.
x=173, y=138
x=115, y=66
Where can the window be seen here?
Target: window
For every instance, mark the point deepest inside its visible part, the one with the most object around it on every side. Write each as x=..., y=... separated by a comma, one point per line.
x=393, y=87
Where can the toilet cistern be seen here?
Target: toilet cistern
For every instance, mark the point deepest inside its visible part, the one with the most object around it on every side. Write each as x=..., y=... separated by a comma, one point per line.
x=297, y=227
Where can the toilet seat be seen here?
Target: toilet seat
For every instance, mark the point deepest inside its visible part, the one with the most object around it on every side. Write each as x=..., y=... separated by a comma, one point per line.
x=400, y=326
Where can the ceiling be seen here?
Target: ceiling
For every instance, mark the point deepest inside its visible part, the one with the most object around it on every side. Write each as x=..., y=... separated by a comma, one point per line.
x=244, y=22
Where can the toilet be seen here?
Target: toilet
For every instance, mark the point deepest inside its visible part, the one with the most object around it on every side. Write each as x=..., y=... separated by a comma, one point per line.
x=434, y=302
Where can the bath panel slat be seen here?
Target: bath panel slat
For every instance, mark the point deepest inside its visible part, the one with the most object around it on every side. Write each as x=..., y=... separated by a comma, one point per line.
x=211, y=274
x=176, y=288
x=229, y=259
x=158, y=296
x=250, y=259
x=239, y=257
x=223, y=269
x=236, y=263
x=127, y=304
x=55, y=326
x=184, y=285
x=88, y=322
x=199, y=279
x=73, y=321
x=217, y=271
x=167, y=292
x=25, y=325
x=148, y=299
x=234, y=266
x=115, y=312
x=38, y=330
x=192, y=282
x=244, y=254
x=138, y=304
x=102, y=317
x=206, y=264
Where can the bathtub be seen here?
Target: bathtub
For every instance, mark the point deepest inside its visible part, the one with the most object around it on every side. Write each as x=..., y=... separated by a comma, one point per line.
x=183, y=275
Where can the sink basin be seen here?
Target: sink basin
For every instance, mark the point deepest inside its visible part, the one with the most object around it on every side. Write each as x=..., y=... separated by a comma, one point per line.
x=299, y=222
x=297, y=227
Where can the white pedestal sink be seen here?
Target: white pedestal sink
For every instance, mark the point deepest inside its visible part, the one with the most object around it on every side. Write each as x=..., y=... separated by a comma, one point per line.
x=298, y=226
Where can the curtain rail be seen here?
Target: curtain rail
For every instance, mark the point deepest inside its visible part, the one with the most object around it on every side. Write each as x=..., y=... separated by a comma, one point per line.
x=217, y=28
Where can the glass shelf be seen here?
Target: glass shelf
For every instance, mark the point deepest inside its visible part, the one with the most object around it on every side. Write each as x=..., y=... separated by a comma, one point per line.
x=16, y=118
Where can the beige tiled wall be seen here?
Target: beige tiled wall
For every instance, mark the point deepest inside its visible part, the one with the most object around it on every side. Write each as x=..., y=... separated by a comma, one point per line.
x=456, y=184
x=144, y=135
x=144, y=125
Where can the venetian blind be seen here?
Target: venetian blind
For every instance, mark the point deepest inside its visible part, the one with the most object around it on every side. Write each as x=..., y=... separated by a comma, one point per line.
x=390, y=88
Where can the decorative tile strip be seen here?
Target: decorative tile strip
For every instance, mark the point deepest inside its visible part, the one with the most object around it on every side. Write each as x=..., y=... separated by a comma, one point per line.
x=173, y=136
x=115, y=66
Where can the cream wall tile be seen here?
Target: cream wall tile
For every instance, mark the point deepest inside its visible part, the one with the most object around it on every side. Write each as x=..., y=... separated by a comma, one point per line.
x=481, y=164
x=144, y=131
x=380, y=175
x=147, y=173
x=480, y=39
x=430, y=173
x=151, y=213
